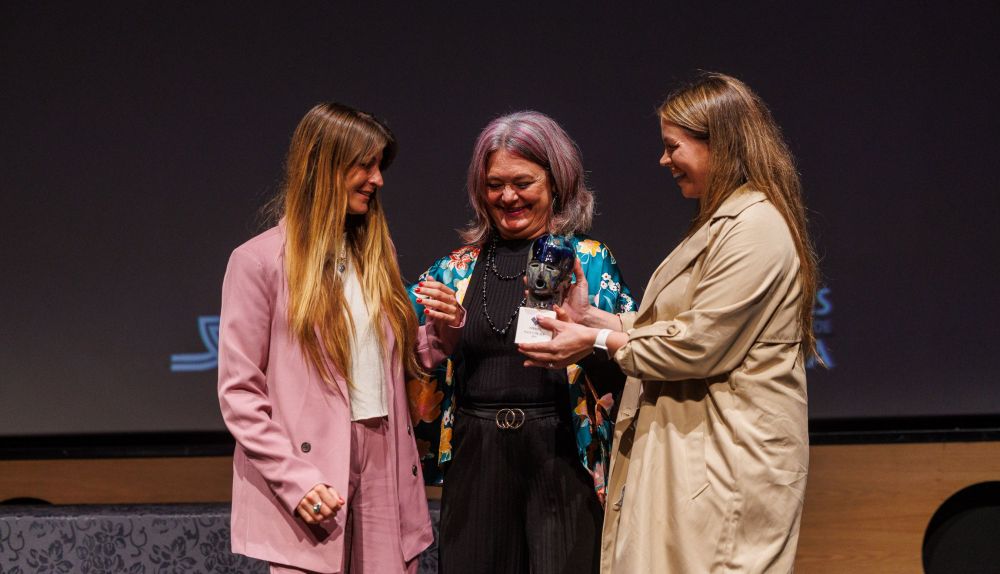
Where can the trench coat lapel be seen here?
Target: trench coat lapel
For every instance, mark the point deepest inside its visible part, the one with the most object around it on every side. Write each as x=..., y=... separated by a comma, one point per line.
x=676, y=262
x=693, y=246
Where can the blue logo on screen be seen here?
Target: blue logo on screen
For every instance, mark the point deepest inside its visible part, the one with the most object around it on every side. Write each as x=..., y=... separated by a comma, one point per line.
x=822, y=327
x=208, y=328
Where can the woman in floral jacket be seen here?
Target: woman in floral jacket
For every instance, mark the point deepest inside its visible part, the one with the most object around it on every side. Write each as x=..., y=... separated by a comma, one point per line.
x=524, y=449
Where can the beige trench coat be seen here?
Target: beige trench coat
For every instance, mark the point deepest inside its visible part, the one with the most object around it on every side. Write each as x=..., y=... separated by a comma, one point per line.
x=711, y=444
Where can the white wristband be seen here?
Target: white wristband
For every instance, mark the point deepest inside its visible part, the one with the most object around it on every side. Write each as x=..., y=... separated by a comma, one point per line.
x=601, y=342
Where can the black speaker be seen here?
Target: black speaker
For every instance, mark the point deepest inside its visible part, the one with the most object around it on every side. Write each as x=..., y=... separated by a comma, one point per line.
x=963, y=536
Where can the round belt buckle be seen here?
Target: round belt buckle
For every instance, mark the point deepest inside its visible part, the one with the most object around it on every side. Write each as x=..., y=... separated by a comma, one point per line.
x=509, y=419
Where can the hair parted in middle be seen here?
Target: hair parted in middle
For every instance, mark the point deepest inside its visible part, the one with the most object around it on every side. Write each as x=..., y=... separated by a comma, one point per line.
x=537, y=138
x=329, y=141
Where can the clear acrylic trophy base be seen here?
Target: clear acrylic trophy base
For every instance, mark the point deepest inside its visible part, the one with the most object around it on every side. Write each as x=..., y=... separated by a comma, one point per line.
x=527, y=330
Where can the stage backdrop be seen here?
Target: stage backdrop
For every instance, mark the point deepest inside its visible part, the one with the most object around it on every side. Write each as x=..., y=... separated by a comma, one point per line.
x=139, y=141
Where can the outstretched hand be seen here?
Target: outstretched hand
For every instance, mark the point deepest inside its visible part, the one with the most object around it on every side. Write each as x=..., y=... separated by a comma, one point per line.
x=570, y=342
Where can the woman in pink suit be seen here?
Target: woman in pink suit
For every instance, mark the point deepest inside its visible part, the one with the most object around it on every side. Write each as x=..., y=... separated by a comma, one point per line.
x=317, y=339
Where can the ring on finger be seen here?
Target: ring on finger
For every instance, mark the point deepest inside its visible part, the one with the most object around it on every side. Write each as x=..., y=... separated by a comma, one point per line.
x=316, y=508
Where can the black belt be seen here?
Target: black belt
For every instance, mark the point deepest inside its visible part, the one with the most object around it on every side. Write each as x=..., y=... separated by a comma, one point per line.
x=509, y=417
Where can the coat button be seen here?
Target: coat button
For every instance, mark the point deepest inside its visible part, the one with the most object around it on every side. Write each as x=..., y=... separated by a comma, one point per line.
x=306, y=447
x=414, y=470
x=409, y=430
x=672, y=330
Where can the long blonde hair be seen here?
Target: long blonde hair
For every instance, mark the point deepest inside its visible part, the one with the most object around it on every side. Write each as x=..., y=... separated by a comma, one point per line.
x=746, y=147
x=330, y=140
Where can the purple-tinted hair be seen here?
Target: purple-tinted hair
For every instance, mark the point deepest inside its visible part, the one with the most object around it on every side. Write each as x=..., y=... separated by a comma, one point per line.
x=539, y=139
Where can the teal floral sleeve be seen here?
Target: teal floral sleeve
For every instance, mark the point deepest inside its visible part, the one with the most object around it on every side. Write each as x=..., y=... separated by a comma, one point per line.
x=432, y=399
x=594, y=426
x=608, y=291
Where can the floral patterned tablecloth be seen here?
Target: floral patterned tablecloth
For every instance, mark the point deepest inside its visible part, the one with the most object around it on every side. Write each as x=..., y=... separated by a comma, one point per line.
x=134, y=539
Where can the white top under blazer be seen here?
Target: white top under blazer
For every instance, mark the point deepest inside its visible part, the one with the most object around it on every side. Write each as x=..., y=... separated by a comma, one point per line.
x=367, y=386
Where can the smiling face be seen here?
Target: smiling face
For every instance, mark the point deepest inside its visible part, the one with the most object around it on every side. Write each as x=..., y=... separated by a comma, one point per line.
x=518, y=196
x=362, y=181
x=687, y=157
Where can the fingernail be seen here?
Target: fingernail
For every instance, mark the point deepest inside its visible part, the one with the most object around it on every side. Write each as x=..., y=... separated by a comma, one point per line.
x=417, y=290
x=426, y=311
x=419, y=300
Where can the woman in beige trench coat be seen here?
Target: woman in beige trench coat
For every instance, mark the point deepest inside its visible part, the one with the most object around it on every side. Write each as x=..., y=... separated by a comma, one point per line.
x=711, y=444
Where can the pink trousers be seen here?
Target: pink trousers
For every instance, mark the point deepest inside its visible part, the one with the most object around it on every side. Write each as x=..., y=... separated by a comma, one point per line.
x=371, y=537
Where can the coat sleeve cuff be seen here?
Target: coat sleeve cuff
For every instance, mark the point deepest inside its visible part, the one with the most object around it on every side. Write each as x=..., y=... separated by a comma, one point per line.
x=628, y=320
x=625, y=356
x=625, y=359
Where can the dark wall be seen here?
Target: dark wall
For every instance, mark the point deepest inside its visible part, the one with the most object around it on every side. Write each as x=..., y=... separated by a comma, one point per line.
x=139, y=141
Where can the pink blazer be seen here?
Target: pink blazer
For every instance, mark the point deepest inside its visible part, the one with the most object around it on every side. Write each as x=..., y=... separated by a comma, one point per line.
x=292, y=430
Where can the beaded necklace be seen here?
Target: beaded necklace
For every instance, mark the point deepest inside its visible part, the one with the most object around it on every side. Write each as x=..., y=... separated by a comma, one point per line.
x=491, y=267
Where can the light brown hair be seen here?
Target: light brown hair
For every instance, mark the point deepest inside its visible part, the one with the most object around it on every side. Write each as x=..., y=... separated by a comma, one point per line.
x=330, y=140
x=746, y=147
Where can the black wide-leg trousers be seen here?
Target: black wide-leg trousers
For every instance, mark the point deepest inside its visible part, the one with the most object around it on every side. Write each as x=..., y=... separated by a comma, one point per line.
x=517, y=500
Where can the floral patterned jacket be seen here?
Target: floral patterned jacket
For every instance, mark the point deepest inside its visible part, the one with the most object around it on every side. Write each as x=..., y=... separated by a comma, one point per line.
x=433, y=401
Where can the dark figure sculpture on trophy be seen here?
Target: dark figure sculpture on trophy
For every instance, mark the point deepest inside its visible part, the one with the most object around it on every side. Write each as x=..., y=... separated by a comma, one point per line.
x=546, y=278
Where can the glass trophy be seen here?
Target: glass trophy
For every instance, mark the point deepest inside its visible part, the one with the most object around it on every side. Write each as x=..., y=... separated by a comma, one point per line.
x=550, y=262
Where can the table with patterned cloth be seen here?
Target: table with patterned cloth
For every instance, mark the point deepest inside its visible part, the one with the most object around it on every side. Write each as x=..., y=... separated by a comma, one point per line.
x=135, y=539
